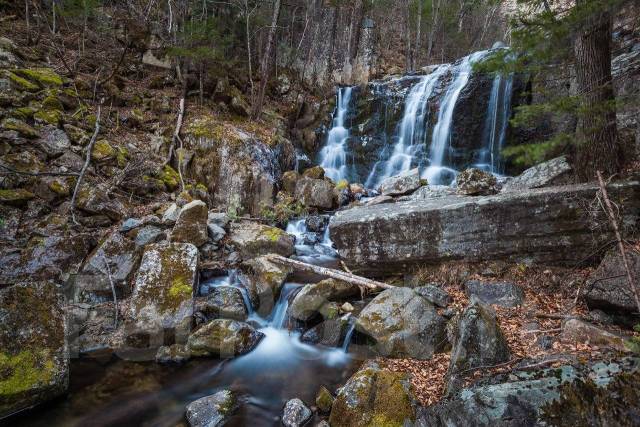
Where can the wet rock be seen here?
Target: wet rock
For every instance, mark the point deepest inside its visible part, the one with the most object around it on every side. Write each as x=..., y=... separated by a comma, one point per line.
x=316, y=223
x=175, y=353
x=601, y=394
x=191, y=226
x=253, y=239
x=264, y=281
x=608, y=287
x=403, y=324
x=216, y=233
x=434, y=295
x=295, y=413
x=374, y=397
x=223, y=338
x=90, y=326
x=552, y=172
x=311, y=298
x=112, y=262
x=391, y=237
x=503, y=293
x=34, y=357
x=224, y=303
x=576, y=331
x=315, y=193
x=324, y=400
x=402, y=184
x=329, y=333
x=477, y=340
x=212, y=411
x=476, y=182
x=163, y=291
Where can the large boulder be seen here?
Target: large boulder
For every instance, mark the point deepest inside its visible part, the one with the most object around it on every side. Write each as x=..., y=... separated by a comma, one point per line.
x=311, y=298
x=34, y=356
x=315, y=193
x=223, y=338
x=163, y=292
x=191, y=225
x=399, y=185
x=547, y=225
x=604, y=393
x=477, y=341
x=608, y=287
x=403, y=324
x=374, y=397
x=476, y=182
x=223, y=302
x=211, y=411
x=253, y=239
x=553, y=172
x=240, y=171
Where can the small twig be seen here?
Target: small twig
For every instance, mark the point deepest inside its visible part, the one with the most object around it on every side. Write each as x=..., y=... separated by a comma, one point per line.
x=623, y=253
x=113, y=291
x=85, y=166
x=542, y=331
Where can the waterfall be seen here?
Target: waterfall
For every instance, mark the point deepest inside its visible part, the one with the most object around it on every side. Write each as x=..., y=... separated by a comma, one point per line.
x=438, y=172
x=347, y=338
x=498, y=112
x=309, y=246
x=411, y=131
x=333, y=157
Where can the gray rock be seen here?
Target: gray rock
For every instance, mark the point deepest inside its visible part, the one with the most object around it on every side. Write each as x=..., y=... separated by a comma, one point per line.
x=391, y=237
x=504, y=294
x=264, y=280
x=601, y=394
x=34, y=356
x=94, y=200
x=191, y=226
x=329, y=333
x=69, y=161
x=434, y=295
x=129, y=224
x=170, y=215
x=402, y=184
x=175, y=353
x=148, y=234
x=374, y=397
x=311, y=298
x=224, y=302
x=403, y=324
x=253, y=239
x=163, y=291
x=53, y=141
x=477, y=340
x=316, y=223
x=551, y=172
x=295, y=413
x=223, y=338
x=315, y=193
x=576, y=331
x=211, y=411
x=608, y=287
x=476, y=182
x=220, y=219
x=216, y=233
x=433, y=192
x=379, y=200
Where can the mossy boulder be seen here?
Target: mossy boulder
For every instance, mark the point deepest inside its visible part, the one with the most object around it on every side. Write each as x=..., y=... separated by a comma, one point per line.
x=374, y=397
x=170, y=178
x=34, y=358
x=223, y=302
x=223, y=338
x=264, y=281
x=315, y=193
x=51, y=117
x=212, y=411
x=94, y=200
x=103, y=151
x=324, y=400
x=44, y=77
x=289, y=180
x=77, y=135
x=52, y=102
x=403, y=324
x=312, y=298
x=19, y=126
x=253, y=239
x=15, y=197
x=315, y=172
x=163, y=291
x=20, y=83
x=191, y=226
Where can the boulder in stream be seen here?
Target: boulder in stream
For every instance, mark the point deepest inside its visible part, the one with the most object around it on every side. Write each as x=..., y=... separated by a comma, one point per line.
x=212, y=411
x=311, y=298
x=295, y=413
x=223, y=338
x=253, y=239
x=223, y=302
x=315, y=193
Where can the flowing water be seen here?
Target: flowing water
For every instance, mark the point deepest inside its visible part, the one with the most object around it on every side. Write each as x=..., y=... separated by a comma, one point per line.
x=333, y=156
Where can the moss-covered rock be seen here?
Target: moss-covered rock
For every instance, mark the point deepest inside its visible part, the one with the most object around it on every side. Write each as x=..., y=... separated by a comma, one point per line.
x=103, y=151
x=374, y=397
x=223, y=338
x=289, y=180
x=212, y=410
x=51, y=117
x=315, y=172
x=44, y=77
x=264, y=282
x=312, y=299
x=52, y=102
x=170, y=177
x=34, y=359
x=19, y=126
x=253, y=239
x=191, y=226
x=77, y=135
x=17, y=196
x=324, y=400
x=21, y=83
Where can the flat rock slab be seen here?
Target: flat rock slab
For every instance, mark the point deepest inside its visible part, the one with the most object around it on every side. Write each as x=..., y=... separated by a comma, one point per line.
x=503, y=293
x=547, y=225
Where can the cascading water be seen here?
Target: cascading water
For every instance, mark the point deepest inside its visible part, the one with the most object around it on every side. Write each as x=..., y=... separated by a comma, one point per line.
x=498, y=112
x=438, y=172
x=309, y=247
x=333, y=156
x=409, y=147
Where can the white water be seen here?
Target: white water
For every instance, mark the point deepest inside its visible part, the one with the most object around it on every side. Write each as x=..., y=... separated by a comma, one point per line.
x=438, y=172
x=333, y=156
x=410, y=133
x=308, y=247
x=498, y=112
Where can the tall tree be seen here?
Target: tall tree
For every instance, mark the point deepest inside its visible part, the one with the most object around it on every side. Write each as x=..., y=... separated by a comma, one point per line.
x=266, y=61
x=418, y=35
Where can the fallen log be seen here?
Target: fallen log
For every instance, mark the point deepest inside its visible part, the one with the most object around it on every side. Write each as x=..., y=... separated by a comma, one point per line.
x=330, y=272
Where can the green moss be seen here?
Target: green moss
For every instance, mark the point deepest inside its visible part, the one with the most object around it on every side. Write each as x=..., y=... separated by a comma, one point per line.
x=210, y=129
x=343, y=184
x=21, y=127
x=23, y=113
x=22, y=83
x=102, y=150
x=324, y=400
x=170, y=177
x=61, y=187
x=272, y=234
x=17, y=195
x=52, y=103
x=180, y=289
x=122, y=157
x=42, y=76
x=52, y=117
x=24, y=371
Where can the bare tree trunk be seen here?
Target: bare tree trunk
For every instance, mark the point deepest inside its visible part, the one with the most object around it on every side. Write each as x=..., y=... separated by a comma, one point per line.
x=266, y=60
x=435, y=10
x=247, y=15
x=416, y=50
x=597, y=142
x=407, y=36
